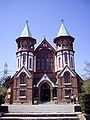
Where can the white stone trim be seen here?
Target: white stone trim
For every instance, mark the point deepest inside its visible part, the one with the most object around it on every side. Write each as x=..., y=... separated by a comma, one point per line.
x=23, y=70
x=66, y=69
x=22, y=84
x=45, y=78
x=22, y=97
x=67, y=83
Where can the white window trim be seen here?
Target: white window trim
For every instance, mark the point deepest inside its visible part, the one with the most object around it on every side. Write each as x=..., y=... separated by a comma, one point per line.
x=22, y=97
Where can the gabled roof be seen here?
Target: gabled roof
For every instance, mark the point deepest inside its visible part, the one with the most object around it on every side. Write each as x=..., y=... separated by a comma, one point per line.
x=66, y=68
x=45, y=42
x=62, y=31
x=45, y=78
x=26, y=32
x=23, y=69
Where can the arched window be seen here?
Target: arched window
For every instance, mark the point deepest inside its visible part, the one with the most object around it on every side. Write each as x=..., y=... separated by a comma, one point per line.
x=47, y=63
x=71, y=62
x=67, y=77
x=18, y=62
x=38, y=63
x=42, y=63
x=30, y=62
x=23, y=79
x=24, y=58
x=51, y=63
x=65, y=57
x=59, y=62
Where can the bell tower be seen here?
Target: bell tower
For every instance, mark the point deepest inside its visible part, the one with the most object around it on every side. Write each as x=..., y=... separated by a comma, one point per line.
x=25, y=50
x=64, y=49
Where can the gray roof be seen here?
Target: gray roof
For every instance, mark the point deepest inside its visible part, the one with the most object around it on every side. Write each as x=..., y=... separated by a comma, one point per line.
x=26, y=32
x=62, y=31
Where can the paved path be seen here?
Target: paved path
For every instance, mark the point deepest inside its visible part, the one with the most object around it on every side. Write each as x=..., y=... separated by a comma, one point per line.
x=41, y=108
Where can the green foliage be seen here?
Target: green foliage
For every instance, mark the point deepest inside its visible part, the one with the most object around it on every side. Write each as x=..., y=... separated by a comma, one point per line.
x=3, y=90
x=1, y=99
x=84, y=100
x=87, y=86
x=5, y=84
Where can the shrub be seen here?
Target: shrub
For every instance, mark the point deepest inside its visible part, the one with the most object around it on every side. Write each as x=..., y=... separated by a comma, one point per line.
x=84, y=100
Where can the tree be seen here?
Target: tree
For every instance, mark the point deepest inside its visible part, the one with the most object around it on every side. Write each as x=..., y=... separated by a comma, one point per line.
x=3, y=90
x=87, y=70
x=87, y=77
x=84, y=98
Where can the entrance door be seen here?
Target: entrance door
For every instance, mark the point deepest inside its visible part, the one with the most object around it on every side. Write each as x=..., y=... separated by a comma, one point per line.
x=45, y=92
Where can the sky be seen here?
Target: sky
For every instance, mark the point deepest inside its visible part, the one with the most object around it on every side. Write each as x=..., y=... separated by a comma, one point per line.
x=44, y=18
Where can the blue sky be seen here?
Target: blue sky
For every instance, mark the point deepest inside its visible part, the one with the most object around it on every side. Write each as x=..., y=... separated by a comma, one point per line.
x=44, y=18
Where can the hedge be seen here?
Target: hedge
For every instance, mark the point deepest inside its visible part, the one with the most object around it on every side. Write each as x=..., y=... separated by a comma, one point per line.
x=84, y=100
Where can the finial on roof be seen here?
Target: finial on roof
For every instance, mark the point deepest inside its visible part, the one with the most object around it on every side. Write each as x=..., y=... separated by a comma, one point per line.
x=26, y=32
x=62, y=31
x=62, y=20
x=27, y=22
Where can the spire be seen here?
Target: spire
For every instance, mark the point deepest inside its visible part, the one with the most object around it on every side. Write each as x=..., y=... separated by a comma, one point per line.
x=62, y=31
x=26, y=31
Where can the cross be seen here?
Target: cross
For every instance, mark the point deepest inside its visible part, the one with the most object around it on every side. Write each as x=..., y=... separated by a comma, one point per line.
x=26, y=21
x=62, y=20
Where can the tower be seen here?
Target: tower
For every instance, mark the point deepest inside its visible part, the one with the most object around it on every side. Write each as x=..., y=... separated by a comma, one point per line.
x=64, y=49
x=25, y=50
x=23, y=79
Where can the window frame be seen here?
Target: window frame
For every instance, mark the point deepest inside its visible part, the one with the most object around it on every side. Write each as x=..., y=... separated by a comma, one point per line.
x=67, y=77
x=51, y=63
x=65, y=57
x=30, y=63
x=23, y=79
x=24, y=58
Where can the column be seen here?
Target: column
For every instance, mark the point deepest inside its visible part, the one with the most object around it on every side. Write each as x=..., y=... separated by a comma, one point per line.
x=51, y=94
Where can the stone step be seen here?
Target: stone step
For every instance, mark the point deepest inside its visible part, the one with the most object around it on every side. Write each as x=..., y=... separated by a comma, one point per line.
x=39, y=118
x=39, y=115
x=63, y=108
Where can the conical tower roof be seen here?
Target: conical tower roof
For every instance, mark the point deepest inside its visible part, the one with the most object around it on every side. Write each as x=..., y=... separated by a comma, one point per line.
x=62, y=31
x=26, y=32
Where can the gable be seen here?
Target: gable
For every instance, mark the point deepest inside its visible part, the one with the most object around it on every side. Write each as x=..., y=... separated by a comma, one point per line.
x=45, y=78
x=66, y=68
x=23, y=69
x=45, y=45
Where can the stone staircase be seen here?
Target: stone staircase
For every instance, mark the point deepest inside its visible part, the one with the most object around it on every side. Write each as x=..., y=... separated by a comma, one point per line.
x=39, y=116
x=40, y=112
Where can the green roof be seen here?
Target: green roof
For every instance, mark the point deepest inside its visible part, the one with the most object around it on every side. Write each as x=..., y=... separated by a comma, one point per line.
x=26, y=32
x=63, y=31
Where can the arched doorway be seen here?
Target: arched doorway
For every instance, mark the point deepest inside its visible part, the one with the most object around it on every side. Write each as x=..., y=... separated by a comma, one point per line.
x=45, y=92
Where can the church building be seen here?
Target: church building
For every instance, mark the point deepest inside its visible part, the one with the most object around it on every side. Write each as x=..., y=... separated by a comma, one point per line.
x=44, y=74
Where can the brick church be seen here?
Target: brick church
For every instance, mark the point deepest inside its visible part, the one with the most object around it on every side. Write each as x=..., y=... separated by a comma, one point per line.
x=45, y=73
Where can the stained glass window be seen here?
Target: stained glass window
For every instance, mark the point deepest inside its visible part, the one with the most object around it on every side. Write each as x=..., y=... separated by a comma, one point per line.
x=24, y=58
x=67, y=77
x=42, y=63
x=38, y=63
x=23, y=79
x=51, y=63
x=47, y=63
x=59, y=61
x=65, y=56
x=30, y=62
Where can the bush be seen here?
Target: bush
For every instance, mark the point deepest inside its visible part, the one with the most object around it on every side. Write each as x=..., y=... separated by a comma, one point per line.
x=1, y=99
x=84, y=100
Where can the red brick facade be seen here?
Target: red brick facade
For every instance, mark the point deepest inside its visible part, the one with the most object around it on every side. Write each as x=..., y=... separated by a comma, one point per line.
x=44, y=74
